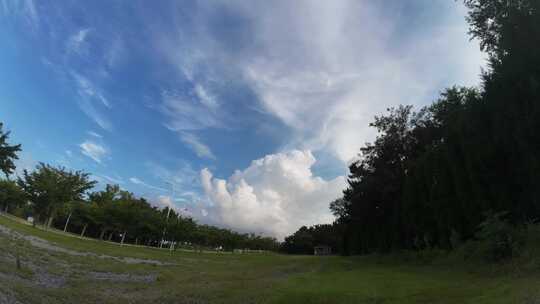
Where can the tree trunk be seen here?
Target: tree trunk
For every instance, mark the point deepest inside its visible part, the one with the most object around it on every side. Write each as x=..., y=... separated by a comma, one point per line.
x=49, y=221
x=84, y=230
x=110, y=236
x=67, y=222
x=102, y=233
x=123, y=238
x=136, y=241
x=6, y=209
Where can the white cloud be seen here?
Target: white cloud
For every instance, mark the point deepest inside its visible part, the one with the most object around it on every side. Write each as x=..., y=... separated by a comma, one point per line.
x=137, y=181
x=195, y=144
x=116, y=53
x=76, y=42
x=325, y=68
x=93, y=150
x=26, y=9
x=329, y=83
x=105, y=179
x=275, y=195
x=164, y=201
x=94, y=134
x=186, y=113
x=205, y=98
x=89, y=93
x=182, y=175
x=88, y=89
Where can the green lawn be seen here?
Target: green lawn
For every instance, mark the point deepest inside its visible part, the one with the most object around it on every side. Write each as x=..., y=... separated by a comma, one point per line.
x=49, y=276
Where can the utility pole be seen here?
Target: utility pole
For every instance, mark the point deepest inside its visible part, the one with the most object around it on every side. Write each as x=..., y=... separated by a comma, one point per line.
x=168, y=213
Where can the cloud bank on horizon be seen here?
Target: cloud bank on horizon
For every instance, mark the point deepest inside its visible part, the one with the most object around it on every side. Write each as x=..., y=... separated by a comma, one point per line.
x=274, y=195
x=243, y=114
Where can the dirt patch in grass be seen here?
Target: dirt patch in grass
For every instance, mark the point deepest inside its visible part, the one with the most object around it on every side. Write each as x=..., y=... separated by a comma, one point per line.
x=43, y=244
x=122, y=277
x=7, y=297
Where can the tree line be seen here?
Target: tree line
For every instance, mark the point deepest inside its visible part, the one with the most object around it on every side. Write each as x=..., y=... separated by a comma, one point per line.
x=61, y=198
x=432, y=176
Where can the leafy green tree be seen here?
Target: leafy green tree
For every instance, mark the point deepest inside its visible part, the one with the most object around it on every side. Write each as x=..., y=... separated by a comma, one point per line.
x=49, y=189
x=83, y=216
x=102, y=208
x=8, y=153
x=181, y=229
x=11, y=195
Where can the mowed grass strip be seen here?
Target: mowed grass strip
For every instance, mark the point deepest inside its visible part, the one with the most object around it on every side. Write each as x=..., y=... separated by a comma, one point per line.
x=241, y=278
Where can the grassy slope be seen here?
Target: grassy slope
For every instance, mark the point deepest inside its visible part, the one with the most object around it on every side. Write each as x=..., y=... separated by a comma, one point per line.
x=237, y=278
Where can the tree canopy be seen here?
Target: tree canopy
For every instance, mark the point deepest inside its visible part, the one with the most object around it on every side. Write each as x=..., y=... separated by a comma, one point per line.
x=8, y=153
x=50, y=188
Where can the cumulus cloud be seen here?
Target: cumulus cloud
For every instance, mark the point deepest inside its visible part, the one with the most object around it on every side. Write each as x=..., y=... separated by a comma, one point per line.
x=275, y=195
x=94, y=150
x=164, y=201
x=195, y=144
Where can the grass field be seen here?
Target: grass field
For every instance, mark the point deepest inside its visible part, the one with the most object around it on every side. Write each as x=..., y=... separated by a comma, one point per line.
x=56, y=268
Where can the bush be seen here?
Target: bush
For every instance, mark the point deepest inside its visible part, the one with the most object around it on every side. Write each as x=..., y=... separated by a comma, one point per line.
x=498, y=239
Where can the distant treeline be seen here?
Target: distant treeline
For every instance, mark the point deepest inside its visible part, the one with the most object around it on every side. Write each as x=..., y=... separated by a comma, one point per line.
x=60, y=198
x=432, y=177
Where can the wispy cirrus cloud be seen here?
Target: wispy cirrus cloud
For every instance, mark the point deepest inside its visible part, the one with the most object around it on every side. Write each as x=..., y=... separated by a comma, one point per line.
x=92, y=100
x=88, y=89
x=137, y=181
x=195, y=144
x=76, y=43
x=94, y=150
x=191, y=111
x=187, y=112
x=26, y=9
x=326, y=73
x=107, y=179
x=94, y=134
x=182, y=179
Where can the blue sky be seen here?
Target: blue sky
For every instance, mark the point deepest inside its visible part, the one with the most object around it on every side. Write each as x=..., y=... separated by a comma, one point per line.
x=251, y=109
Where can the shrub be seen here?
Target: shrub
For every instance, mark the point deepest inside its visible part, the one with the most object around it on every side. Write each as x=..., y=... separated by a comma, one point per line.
x=498, y=239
